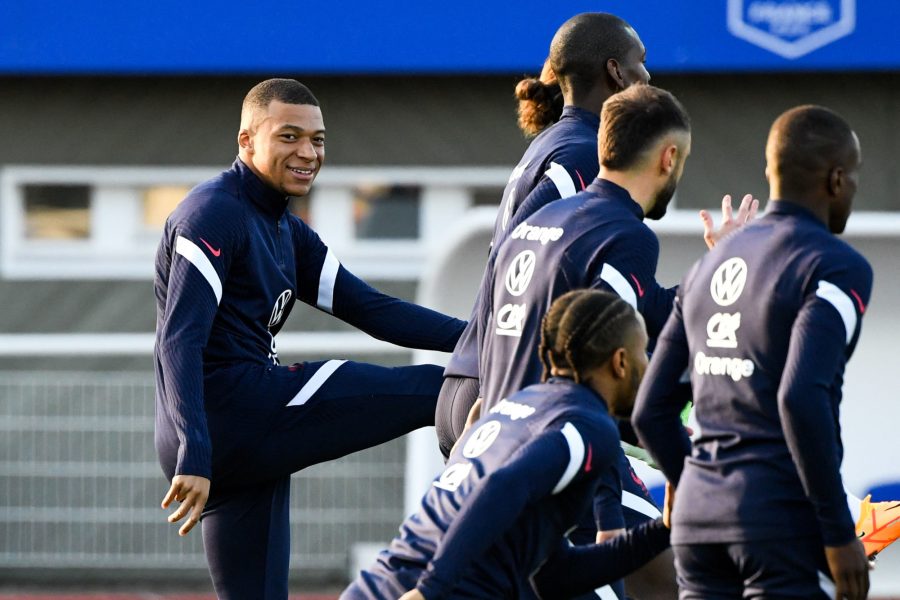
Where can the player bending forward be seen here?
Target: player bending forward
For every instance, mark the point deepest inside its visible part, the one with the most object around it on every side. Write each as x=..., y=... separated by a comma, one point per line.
x=526, y=471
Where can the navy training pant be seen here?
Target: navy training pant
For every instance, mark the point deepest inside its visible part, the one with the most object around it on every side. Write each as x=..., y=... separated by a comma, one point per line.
x=454, y=402
x=769, y=569
x=267, y=422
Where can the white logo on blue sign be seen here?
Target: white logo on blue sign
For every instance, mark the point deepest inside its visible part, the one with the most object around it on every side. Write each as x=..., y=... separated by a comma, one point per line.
x=791, y=28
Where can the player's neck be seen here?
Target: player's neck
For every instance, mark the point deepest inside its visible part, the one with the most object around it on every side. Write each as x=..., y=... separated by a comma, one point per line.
x=816, y=206
x=640, y=185
x=591, y=102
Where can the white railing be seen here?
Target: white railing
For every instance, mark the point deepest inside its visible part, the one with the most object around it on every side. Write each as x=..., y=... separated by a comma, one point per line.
x=141, y=344
x=80, y=485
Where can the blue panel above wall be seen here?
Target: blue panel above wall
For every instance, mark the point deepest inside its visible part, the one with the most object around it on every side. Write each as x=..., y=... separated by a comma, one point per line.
x=466, y=36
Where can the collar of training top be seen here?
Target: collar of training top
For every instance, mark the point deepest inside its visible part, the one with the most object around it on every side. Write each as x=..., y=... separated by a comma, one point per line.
x=269, y=201
x=786, y=207
x=581, y=114
x=568, y=381
x=607, y=189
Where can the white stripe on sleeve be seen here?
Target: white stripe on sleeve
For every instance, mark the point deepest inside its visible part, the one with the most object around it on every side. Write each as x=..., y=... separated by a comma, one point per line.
x=606, y=593
x=576, y=456
x=561, y=178
x=619, y=284
x=196, y=257
x=842, y=303
x=327, y=279
x=826, y=584
x=315, y=382
x=638, y=504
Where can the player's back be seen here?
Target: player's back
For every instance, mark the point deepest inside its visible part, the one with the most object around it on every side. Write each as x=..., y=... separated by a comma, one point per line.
x=560, y=405
x=566, y=154
x=569, y=244
x=740, y=304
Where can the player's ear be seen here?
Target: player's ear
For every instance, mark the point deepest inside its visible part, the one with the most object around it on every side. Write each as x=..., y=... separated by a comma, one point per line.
x=619, y=363
x=245, y=140
x=835, y=181
x=668, y=158
x=612, y=69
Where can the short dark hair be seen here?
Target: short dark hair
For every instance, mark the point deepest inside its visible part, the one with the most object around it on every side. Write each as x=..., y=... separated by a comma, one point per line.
x=805, y=142
x=289, y=91
x=633, y=120
x=582, y=329
x=582, y=46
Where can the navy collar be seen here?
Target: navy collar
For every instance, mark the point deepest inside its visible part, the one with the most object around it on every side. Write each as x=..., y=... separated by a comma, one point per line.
x=558, y=380
x=270, y=201
x=786, y=207
x=574, y=112
x=607, y=189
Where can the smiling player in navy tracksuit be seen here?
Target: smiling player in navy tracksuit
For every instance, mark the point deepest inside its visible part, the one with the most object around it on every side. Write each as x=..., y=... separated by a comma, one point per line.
x=766, y=323
x=232, y=424
x=522, y=475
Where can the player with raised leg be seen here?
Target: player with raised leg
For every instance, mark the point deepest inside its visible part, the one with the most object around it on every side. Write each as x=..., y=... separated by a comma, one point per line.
x=232, y=424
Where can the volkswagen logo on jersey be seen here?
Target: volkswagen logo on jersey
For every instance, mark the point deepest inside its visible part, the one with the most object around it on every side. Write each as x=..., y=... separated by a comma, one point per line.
x=481, y=439
x=278, y=309
x=453, y=476
x=519, y=273
x=728, y=281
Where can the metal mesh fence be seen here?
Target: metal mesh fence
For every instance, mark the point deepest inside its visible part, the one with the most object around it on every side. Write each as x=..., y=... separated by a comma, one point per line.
x=80, y=484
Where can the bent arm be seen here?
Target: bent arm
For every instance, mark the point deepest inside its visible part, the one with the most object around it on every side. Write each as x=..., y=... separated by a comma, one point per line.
x=324, y=283
x=629, y=271
x=575, y=570
x=391, y=319
x=657, y=410
x=492, y=509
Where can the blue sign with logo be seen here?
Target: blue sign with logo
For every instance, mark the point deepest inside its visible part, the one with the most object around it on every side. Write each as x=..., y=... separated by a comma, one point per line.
x=791, y=29
x=269, y=37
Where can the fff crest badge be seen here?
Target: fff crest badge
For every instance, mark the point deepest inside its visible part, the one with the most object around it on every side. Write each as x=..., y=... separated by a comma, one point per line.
x=791, y=28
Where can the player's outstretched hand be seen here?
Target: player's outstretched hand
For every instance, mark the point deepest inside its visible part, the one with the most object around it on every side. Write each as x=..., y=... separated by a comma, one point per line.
x=192, y=492
x=850, y=570
x=412, y=594
x=746, y=213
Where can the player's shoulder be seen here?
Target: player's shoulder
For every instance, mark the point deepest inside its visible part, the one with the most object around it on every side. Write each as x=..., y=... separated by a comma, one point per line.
x=840, y=250
x=218, y=199
x=840, y=264
x=591, y=429
x=617, y=220
x=578, y=155
x=212, y=211
x=568, y=402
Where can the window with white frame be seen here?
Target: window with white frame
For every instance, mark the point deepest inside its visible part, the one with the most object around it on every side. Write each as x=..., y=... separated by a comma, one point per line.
x=105, y=222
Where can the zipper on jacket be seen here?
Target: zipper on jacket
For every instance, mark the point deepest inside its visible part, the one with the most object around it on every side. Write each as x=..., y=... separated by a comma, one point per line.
x=279, y=254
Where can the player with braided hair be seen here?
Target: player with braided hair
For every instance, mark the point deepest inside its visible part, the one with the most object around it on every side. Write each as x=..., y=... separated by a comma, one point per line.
x=525, y=473
x=581, y=334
